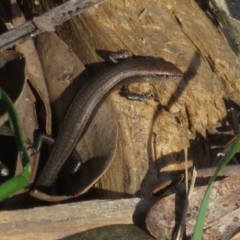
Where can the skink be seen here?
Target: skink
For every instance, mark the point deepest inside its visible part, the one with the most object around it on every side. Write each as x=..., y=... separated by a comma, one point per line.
x=87, y=100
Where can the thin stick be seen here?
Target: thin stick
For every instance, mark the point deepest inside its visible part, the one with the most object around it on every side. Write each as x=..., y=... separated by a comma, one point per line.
x=59, y=15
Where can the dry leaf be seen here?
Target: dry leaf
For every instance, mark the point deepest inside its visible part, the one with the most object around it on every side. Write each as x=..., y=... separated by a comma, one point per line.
x=222, y=218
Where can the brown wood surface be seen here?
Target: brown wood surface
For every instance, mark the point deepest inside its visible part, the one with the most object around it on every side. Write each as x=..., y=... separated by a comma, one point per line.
x=152, y=135
x=62, y=220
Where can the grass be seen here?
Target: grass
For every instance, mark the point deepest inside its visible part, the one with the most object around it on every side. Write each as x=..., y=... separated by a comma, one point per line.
x=233, y=149
x=21, y=180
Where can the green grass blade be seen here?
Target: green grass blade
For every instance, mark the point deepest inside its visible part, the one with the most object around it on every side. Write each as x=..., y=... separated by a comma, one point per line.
x=20, y=181
x=198, y=230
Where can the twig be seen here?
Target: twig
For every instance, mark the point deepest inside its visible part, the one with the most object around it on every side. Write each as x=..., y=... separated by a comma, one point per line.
x=57, y=16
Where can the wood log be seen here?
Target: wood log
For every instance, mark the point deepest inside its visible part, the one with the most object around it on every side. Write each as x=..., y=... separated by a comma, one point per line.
x=153, y=135
x=62, y=220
